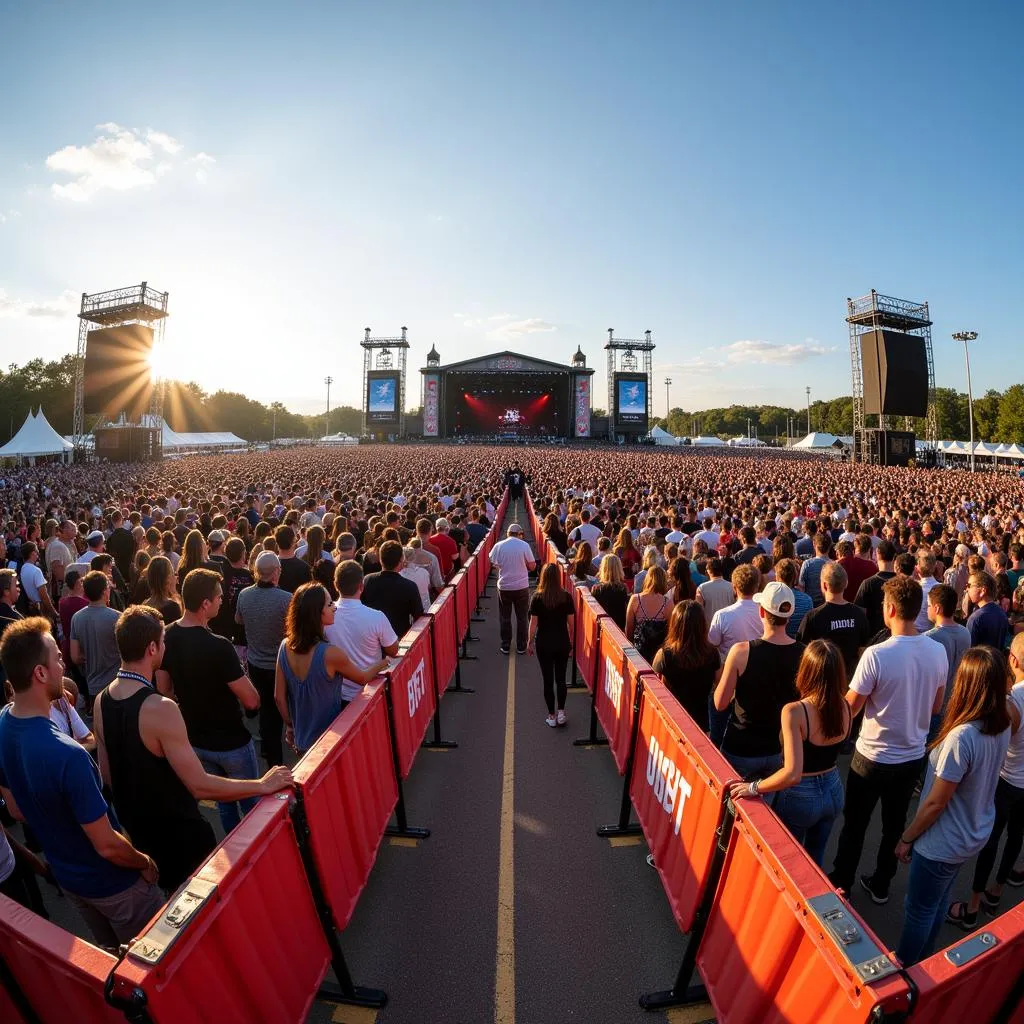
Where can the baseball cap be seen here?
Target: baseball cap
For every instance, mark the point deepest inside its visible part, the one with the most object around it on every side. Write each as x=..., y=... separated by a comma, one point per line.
x=267, y=562
x=777, y=599
x=515, y=528
x=95, y=537
x=218, y=537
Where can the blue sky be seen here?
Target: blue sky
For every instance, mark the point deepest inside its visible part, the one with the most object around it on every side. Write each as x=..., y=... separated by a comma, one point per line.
x=519, y=177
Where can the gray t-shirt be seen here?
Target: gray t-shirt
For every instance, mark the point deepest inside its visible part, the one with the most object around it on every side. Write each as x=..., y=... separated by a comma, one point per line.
x=956, y=639
x=262, y=611
x=972, y=760
x=93, y=627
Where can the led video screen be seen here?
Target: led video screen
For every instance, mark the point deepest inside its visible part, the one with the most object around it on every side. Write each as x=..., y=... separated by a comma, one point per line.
x=382, y=398
x=631, y=402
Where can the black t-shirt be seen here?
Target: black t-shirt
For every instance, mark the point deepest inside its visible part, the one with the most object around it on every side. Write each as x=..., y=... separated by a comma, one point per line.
x=235, y=581
x=845, y=625
x=746, y=555
x=552, y=631
x=613, y=599
x=766, y=685
x=395, y=596
x=869, y=597
x=690, y=686
x=294, y=572
x=201, y=664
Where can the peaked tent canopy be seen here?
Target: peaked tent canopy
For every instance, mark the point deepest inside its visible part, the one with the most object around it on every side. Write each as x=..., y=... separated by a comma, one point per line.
x=708, y=441
x=36, y=437
x=816, y=440
x=661, y=436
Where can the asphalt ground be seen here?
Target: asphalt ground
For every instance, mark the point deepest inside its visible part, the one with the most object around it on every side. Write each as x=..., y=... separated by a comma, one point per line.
x=513, y=910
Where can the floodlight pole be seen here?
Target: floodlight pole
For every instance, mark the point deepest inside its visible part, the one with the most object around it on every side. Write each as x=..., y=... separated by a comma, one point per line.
x=668, y=384
x=808, y=390
x=327, y=420
x=965, y=337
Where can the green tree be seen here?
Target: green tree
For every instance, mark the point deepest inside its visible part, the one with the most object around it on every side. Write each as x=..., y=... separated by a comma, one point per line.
x=1010, y=421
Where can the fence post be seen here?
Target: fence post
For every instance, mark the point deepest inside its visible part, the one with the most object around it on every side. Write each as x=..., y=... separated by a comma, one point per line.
x=682, y=992
x=458, y=687
x=592, y=739
x=402, y=826
x=345, y=991
x=623, y=827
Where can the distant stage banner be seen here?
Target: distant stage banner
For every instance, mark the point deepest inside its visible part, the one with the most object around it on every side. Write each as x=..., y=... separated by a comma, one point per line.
x=583, y=407
x=430, y=387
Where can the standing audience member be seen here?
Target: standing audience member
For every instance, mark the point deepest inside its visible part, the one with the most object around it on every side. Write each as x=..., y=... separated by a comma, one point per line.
x=648, y=612
x=988, y=623
x=687, y=663
x=837, y=620
x=955, y=816
x=513, y=558
x=551, y=630
x=390, y=592
x=93, y=645
x=610, y=590
x=954, y=638
x=716, y=593
x=869, y=596
x=294, y=571
x=899, y=685
x=787, y=570
x=810, y=571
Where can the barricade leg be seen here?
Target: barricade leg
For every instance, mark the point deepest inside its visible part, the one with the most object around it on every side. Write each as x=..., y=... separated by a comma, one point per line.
x=592, y=739
x=623, y=827
x=437, y=743
x=401, y=826
x=683, y=992
x=457, y=687
x=345, y=991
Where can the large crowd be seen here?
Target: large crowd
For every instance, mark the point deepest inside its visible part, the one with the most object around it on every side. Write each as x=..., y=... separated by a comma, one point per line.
x=797, y=609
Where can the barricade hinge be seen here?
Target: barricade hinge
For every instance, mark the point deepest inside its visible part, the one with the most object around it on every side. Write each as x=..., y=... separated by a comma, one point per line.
x=964, y=952
x=151, y=946
x=853, y=942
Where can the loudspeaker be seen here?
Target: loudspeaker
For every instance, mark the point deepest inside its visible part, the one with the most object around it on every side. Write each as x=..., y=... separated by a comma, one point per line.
x=895, y=372
x=118, y=376
x=885, y=447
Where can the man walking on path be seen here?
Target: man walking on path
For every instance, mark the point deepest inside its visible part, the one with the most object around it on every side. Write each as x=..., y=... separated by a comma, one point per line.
x=514, y=561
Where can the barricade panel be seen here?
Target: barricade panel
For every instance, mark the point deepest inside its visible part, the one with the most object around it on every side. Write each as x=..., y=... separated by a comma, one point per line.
x=472, y=574
x=446, y=652
x=563, y=572
x=255, y=949
x=676, y=788
x=61, y=975
x=459, y=586
x=348, y=783
x=589, y=615
x=616, y=685
x=483, y=568
x=411, y=681
x=765, y=956
x=549, y=553
x=977, y=989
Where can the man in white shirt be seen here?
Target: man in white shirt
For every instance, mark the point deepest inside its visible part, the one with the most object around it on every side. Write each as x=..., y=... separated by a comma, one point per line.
x=586, y=531
x=899, y=684
x=60, y=555
x=33, y=582
x=712, y=538
x=96, y=546
x=513, y=558
x=419, y=575
x=417, y=555
x=364, y=634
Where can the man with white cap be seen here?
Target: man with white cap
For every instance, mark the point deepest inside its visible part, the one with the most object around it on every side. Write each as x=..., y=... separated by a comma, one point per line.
x=96, y=545
x=758, y=680
x=513, y=558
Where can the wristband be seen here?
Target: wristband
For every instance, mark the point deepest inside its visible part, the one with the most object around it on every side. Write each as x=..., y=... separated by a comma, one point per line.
x=752, y=787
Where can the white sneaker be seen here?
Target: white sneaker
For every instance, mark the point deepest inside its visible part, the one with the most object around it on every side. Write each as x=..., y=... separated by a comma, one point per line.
x=550, y=720
x=560, y=718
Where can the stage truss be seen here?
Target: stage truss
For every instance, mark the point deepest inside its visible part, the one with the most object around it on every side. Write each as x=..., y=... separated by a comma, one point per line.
x=622, y=357
x=119, y=307
x=377, y=355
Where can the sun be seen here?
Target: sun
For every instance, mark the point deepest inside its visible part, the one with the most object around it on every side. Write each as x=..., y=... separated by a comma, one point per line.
x=159, y=363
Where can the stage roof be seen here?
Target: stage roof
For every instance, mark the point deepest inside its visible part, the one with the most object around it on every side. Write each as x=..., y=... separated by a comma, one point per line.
x=507, y=362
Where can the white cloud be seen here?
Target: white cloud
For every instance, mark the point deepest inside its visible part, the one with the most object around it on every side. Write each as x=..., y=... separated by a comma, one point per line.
x=756, y=351
x=119, y=159
x=519, y=328
x=201, y=161
x=691, y=366
x=62, y=306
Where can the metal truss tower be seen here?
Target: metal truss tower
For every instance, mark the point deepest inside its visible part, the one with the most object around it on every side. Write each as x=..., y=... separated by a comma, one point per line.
x=137, y=304
x=622, y=357
x=377, y=355
x=884, y=312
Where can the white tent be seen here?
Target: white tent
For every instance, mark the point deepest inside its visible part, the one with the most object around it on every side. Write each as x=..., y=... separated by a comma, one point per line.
x=707, y=442
x=661, y=436
x=747, y=442
x=36, y=437
x=172, y=440
x=339, y=438
x=816, y=440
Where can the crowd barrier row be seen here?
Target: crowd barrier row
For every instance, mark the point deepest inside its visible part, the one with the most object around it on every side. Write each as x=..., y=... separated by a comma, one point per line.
x=770, y=936
x=253, y=933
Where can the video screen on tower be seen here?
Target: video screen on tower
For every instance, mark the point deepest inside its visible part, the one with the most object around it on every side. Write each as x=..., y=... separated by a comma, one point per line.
x=382, y=393
x=631, y=402
x=118, y=374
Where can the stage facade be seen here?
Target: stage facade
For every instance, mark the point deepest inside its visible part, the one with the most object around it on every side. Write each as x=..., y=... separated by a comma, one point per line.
x=506, y=395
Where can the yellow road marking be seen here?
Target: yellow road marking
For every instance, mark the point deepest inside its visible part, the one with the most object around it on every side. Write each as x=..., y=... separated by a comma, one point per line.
x=505, y=972
x=696, y=1014
x=402, y=841
x=353, y=1015
x=625, y=840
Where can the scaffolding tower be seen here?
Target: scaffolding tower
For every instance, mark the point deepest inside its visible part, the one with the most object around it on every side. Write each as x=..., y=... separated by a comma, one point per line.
x=622, y=357
x=377, y=355
x=119, y=307
x=884, y=312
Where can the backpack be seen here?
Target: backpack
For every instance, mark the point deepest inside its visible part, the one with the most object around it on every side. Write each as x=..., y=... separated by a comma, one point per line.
x=648, y=635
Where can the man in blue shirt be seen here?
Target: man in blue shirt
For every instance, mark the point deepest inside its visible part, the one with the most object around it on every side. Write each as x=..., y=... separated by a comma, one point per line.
x=49, y=781
x=810, y=571
x=988, y=623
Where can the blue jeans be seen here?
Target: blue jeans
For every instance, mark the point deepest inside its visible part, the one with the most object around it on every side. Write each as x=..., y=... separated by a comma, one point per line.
x=232, y=764
x=809, y=810
x=928, y=891
x=750, y=768
x=717, y=721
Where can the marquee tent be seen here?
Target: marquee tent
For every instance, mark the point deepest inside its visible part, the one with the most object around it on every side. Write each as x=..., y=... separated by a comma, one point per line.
x=662, y=436
x=707, y=442
x=816, y=441
x=36, y=438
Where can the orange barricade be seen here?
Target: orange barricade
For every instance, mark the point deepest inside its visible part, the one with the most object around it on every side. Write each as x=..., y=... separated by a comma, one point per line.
x=589, y=616
x=781, y=945
x=347, y=781
x=978, y=978
x=243, y=941
x=443, y=639
x=412, y=692
x=676, y=787
x=60, y=976
x=615, y=688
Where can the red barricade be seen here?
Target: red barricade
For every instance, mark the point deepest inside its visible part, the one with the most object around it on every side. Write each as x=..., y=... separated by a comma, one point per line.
x=548, y=551
x=412, y=692
x=348, y=784
x=589, y=616
x=483, y=569
x=446, y=648
x=254, y=950
x=460, y=588
x=676, y=788
x=563, y=572
x=61, y=976
x=615, y=688
x=765, y=956
x=977, y=989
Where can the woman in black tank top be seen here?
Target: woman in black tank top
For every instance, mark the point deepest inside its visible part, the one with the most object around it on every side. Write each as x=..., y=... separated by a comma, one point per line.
x=808, y=786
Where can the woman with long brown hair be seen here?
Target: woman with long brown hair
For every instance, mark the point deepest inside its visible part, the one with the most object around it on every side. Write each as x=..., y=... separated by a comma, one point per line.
x=957, y=808
x=687, y=663
x=582, y=568
x=553, y=532
x=814, y=728
x=610, y=591
x=163, y=592
x=627, y=552
x=551, y=629
x=681, y=580
x=648, y=612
